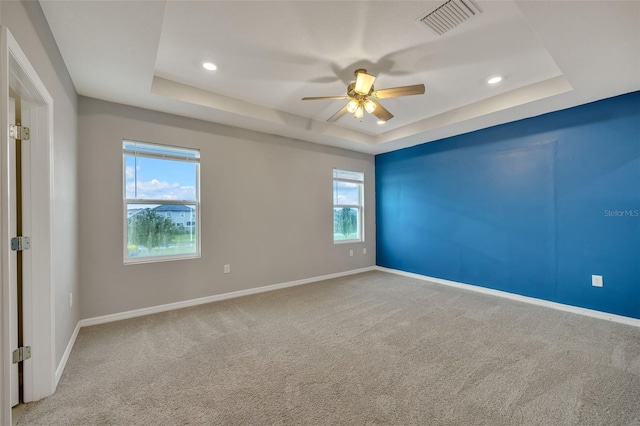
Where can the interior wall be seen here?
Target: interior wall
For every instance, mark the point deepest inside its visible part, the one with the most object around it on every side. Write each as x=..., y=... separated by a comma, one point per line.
x=534, y=207
x=28, y=25
x=266, y=209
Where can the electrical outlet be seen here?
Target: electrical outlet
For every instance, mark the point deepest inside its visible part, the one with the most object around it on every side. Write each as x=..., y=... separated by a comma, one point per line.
x=227, y=269
x=596, y=281
x=350, y=252
x=70, y=300
x=364, y=250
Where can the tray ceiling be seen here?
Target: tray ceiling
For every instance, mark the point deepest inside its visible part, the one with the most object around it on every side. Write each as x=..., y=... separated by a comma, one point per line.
x=270, y=54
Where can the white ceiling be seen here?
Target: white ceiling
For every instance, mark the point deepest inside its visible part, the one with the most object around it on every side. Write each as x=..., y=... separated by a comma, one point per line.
x=270, y=54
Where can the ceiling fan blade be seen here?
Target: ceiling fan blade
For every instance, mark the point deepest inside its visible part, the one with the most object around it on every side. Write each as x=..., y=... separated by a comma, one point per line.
x=338, y=114
x=364, y=82
x=381, y=112
x=395, y=92
x=320, y=98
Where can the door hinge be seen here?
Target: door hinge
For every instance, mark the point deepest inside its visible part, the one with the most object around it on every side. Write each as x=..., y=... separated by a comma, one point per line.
x=19, y=132
x=20, y=243
x=21, y=354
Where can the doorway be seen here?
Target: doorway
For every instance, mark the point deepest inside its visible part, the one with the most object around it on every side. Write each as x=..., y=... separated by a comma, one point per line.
x=26, y=164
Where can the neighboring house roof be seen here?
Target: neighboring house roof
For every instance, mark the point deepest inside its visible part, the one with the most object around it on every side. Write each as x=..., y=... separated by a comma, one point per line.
x=133, y=212
x=173, y=208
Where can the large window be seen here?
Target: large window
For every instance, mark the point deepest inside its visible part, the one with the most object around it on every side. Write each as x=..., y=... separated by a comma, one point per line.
x=348, y=205
x=161, y=202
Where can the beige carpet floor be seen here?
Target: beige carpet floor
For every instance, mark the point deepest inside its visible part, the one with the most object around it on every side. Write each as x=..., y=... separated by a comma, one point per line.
x=368, y=349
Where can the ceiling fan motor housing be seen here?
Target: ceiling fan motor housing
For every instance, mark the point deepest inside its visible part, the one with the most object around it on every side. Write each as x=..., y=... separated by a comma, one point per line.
x=351, y=92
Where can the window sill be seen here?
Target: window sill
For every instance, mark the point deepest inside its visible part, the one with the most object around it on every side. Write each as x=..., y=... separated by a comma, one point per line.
x=156, y=259
x=348, y=241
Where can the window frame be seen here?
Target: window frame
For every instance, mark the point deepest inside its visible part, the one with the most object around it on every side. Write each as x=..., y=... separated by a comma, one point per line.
x=359, y=207
x=126, y=201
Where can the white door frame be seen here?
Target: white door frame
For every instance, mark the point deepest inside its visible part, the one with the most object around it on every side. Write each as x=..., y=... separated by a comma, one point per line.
x=38, y=301
x=13, y=294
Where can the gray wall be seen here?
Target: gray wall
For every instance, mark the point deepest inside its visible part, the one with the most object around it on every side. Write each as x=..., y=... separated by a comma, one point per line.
x=266, y=209
x=28, y=25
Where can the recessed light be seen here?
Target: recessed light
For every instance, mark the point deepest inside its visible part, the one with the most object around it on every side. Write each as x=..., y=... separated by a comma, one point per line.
x=381, y=121
x=494, y=80
x=209, y=66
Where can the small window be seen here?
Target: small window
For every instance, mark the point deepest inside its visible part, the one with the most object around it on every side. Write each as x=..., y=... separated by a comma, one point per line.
x=161, y=185
x=348, y=206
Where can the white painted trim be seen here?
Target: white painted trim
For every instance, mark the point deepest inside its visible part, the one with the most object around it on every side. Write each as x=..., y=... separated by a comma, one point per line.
x=531, y=300
x=67, y=352
x=38, y=300
x=38, y=294
x=215, y=298
x=5, y=255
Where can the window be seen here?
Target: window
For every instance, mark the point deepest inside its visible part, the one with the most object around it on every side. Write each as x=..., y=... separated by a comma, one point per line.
x=348, y=206
x=161, y=184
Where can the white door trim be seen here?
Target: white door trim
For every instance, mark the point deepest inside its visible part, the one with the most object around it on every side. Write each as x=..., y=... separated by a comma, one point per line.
x=38, y=301
x=5, y=294
x=13, y=293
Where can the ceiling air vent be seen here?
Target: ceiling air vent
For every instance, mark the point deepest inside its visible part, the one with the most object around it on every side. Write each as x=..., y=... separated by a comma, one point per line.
x=449, y=15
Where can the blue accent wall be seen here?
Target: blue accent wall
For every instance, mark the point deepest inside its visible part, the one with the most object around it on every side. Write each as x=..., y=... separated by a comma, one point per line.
x=533, y=207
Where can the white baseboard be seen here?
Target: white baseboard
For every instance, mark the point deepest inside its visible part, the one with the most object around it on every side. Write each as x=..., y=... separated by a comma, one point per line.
x=187, y=303
x=65, y=355
x=540, y=302
x=200, y=301
x=194, y=302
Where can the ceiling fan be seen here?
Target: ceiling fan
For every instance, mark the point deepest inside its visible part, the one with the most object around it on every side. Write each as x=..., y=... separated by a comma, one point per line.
x=362, y=97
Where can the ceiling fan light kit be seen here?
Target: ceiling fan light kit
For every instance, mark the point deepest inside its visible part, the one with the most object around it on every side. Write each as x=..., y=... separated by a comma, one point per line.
x=362, y=97
x=369, y=106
